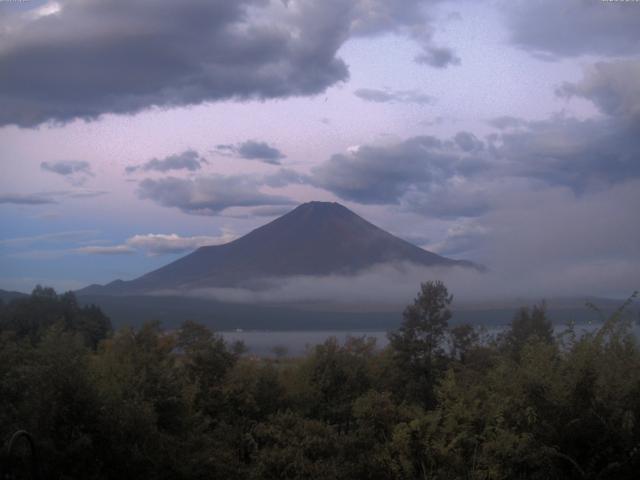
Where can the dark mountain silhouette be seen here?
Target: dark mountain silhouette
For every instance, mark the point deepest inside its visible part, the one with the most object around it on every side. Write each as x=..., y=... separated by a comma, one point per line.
x=316, y=238
x=7, y=296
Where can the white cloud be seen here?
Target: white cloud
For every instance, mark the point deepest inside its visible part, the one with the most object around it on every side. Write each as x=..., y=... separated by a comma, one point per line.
x=158, y=243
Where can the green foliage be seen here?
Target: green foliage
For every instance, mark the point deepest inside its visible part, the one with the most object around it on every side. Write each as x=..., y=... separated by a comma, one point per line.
x=418, y=346
x=32, y=316
x=437, y=403
x=528, y=325
x=337, y=375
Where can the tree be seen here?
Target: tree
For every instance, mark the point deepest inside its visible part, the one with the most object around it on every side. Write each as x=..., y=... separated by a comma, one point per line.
x=463, y=338
x=418, y=344
x=527, y=325
x=206, y=361
x=32, y=316
x=337, y=376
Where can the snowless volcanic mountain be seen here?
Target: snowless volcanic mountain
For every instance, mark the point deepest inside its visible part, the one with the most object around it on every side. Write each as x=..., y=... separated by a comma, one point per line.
x=316, y=238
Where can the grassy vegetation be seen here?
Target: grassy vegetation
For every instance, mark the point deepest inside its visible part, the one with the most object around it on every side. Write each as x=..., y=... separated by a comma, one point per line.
x=440, y=402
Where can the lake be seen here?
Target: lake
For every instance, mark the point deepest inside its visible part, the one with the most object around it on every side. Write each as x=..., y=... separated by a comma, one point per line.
x=297, y=342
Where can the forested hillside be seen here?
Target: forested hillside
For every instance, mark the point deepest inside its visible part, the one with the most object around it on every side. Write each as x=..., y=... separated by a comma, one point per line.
x=439, y=402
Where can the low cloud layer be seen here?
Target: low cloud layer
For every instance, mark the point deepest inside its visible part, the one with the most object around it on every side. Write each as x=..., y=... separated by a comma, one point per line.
x=397, y=285
x=188, y=160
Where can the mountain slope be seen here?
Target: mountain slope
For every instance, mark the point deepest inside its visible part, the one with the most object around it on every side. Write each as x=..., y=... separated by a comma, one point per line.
x=7, y=296
x=316, y=238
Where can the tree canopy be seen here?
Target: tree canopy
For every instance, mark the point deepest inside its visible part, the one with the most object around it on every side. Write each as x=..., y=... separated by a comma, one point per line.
x=438, y=402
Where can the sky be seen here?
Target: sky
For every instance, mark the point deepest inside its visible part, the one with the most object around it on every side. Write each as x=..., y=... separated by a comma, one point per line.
x=503, y=132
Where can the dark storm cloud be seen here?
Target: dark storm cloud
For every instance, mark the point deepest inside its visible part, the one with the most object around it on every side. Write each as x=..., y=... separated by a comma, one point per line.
x=208, y=195
x=583, y=154
x=393, y=96
x=552, y=29
x=187, y=160
x=253, y=150
x=110, y=56
x=438, y=57
x=20, y=199
x=580, y=154
x=384, y=174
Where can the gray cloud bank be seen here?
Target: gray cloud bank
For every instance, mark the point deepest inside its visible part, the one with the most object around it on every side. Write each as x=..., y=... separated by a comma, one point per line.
x=552, y=30
x=109, y=56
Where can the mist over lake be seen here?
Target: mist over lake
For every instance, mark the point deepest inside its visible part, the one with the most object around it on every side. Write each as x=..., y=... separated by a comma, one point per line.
x=268, y=343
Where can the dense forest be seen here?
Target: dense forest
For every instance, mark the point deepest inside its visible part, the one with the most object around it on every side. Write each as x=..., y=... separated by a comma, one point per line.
x=439, y=402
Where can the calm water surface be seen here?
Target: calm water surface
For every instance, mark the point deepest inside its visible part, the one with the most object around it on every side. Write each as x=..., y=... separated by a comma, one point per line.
x=295, y=343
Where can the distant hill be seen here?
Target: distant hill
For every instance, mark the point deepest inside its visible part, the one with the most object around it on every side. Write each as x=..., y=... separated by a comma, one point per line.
x=7, y=296
x=316, y=238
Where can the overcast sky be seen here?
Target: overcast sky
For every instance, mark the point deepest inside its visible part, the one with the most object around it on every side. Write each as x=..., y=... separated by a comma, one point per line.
x=503, y=132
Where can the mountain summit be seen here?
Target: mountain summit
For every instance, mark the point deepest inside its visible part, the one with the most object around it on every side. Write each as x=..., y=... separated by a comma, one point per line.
x=316, y=238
